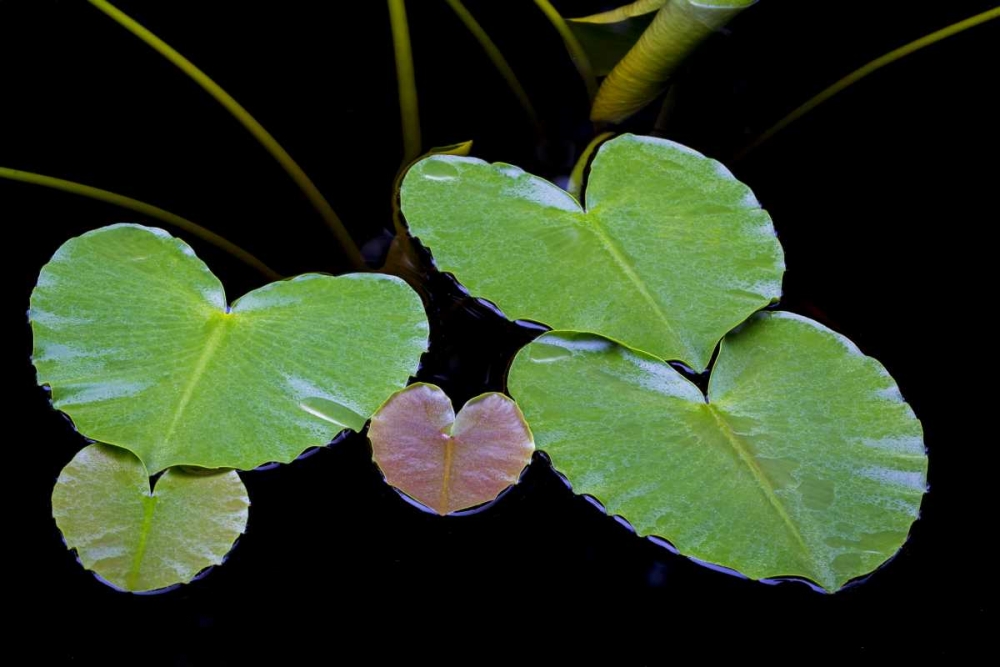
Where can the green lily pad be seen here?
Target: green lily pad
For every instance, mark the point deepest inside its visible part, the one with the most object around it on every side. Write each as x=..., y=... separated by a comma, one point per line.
x=803, y=460
x=671, y=253
x=134, y=337
x=141, y=540
x=447, y=462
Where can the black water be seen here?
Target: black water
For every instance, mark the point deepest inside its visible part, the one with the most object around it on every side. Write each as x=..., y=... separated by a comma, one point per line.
x=883, y=199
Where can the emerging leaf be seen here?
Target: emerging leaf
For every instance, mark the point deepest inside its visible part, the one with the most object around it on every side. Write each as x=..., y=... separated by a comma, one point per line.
x=670, y=254
x=138, y=540
x=803, y=459
x=134, y=337
x=450, y=463
x=678, y=28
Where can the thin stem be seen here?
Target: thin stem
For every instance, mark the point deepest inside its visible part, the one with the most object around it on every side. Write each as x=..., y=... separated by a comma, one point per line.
x=265, y=139
x=575, y=185
x=499, y=62
x=573, y=46
x=406, y=80
x=145, y=209
x=865, y=70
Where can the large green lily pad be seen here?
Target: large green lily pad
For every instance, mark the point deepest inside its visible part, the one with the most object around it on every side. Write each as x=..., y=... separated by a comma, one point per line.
x=803, y=460
x=448, y=462
x=134, y=337
x=142, y=540
x=670, y=254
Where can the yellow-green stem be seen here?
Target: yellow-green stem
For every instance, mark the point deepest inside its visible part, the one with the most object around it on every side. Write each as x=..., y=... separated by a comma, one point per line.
x=499, y=62
x=575, y=185
x=148, y=210
x=405, y=79
x=867, y=69
x=265, y=139
x=573, y=46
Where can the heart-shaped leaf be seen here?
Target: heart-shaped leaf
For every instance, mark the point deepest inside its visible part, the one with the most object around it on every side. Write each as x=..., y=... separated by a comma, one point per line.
x=139, y=540
x=133, y=335
x=671, y=253
x=803, y=460
x=450, y=463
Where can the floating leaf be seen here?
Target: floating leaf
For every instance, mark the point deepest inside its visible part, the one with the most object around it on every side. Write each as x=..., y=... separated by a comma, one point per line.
x=671, y=253
x=133, y=335
x=803, y=460
x=140, y=540
x=450, y=463
x=642, y=74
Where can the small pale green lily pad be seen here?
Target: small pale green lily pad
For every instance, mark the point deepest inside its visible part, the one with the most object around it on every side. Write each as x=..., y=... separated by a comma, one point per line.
x=142, y=540
x=803, y=460
x=134, y=337
x=448, y=462
x=670, y=254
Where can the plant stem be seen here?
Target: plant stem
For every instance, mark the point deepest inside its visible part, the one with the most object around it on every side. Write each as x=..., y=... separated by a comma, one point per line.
x=573, y=46
x=575, y=185
x=149, y=210
x=270, y=144
x=499, y=62
x=406, y=80
x=867, y=69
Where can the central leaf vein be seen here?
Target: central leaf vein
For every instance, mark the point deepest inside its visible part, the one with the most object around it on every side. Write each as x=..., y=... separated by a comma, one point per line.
x=449, y=455
x=609, y=244
x=763, y=481
x=148, y=506
x=218, y=330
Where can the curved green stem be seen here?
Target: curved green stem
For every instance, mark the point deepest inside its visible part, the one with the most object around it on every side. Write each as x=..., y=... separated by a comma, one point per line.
x=148, y=210
x=406, y=80
x=865, y=70
x=575, y=185
x=573, y=46
x=499, y=62
x=265, y=139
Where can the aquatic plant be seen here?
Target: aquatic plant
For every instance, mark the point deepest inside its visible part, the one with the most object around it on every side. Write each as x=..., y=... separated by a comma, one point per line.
x=847, y=542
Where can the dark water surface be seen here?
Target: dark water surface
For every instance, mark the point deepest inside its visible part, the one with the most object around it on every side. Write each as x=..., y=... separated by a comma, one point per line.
x=884, y=200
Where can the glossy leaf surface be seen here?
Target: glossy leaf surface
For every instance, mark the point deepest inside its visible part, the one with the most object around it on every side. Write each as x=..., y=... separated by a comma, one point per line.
x=448, y=462
x=670, y=254
x=134, y=337
x=803, y=460
x=139, y=540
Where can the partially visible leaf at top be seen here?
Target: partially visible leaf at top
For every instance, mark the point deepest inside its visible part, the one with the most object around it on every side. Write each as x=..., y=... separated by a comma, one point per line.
x=670, y=253
x=626, y=11
x=133, y=334
x=802, y=460
x=448, y=462
x=678, y=28
x=607, y=42
x=142, y=540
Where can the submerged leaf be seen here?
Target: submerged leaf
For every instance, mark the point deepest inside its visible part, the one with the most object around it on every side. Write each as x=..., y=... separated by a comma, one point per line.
x=450, y=463
x=139, y=540
x=676, y=30
x=134, y=337
x=670, y=254
x=803, y=459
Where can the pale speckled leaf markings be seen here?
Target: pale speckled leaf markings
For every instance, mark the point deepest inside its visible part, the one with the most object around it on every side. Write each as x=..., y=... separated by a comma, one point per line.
x=134, y=338
x=137, y=539
x=670, y=254
x=803, y=460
